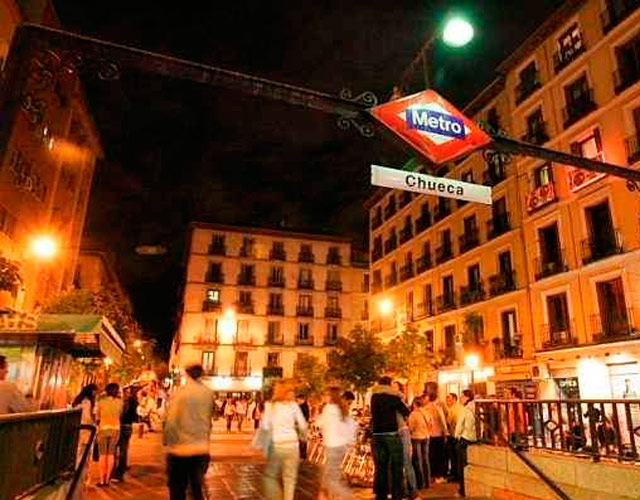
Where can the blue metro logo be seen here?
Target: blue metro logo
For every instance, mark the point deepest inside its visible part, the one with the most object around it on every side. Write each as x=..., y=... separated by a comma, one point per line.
x=434, y=122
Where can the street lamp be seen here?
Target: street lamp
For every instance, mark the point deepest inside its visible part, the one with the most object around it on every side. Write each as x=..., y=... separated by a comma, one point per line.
x=472, y=361
x=44, y=247
x=385, y=306
x=457, y=32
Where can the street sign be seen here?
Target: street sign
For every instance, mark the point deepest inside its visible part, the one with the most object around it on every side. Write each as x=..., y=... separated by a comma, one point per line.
x=428, y=184
x=431, y=125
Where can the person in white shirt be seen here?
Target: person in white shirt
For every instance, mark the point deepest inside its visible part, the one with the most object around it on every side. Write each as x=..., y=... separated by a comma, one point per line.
x=11, y=399
x=284, y=421
x=338, y=432
x=465, y=434
x=241, y=412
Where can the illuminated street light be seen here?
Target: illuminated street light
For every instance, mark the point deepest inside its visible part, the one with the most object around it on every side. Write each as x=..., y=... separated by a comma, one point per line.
x=472, y=361
x=108, y=361
x=137, y=344
x=457, y=32
x=227, y=326
x=385, y=306
x=44, y=247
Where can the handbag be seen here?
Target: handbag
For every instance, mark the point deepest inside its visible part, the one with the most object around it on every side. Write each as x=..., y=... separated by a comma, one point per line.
x=96, y=452
x=262, y=440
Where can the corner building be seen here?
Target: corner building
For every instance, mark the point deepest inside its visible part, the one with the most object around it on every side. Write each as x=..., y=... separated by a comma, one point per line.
x=256, y=300
x=544, y=285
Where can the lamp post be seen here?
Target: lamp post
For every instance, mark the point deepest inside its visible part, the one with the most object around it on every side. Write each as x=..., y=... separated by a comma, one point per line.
x=472, y=361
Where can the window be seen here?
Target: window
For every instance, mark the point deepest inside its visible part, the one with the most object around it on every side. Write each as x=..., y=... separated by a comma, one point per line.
x=579, y=99
x=333, y=302
x=447, y=286
x=493, y=119
x=333, y=275
x=217, y=246
x=305, y=278
x=243, y=328
x=408, y=306
x=602, y=240
x=247, y=248
x=241, y=364
x=332, y=332
x=470, y=224
x=303, y=331
x=509, y=327
x=276, y=274
x=277, y=250
x=365, y=283
x=275, y=300
x=208, y=361
x=589, y=147
x=213, y=295
x=473, y=276
x=7, y=222
x=570, y=46
x=210, y=327
x=614, y=320
x=558, y=312
x=628, y=57
x=214, y=273
x=246, y=269
x=273, y=359
x=428, y=299
x=536, y=128
x=550, y=243
x=429, y=340
x=305, y=301
x=504, y=263
x=450, y=339
x=577, y=91
x=245, y=298
x=542, y=175
x=273, y=331
x=333, y=256
x=529, y=82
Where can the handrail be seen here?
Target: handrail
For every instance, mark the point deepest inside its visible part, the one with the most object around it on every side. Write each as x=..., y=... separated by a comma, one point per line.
x=83, y=460
x=534, y=468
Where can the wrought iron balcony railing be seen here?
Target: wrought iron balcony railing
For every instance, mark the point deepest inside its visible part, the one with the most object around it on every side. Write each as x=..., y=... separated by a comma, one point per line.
x=537, y=135
x=472, y=294
x=600, y=247
x=444, y=253
x=560, y=334
x=334, y=259
x=632, y=145
x=275, y=309
x=272, y=371
x=240, y=370
x=210, y=306
x=613, y=325
x=275, y=339
x=246, y=279
x=502, y=283
x=376, y=222
x=469, y=239
x=214, y=278
x=333, y=312
x=423, y=222
x=446, y=302
x=423, y=263
x=578, y=108
x=245, y=307
x=546, y=268
x=208, y=338
x=406, y=233
x=308, y=340
x=277, y=254
x=217, y=249
x=333, y=285
x=508, y=348
x=306, y=257
x=306, y=284
x=390, y=280
x=306, y=311
x=390, y=244
x=406, y=271
x=498, y=225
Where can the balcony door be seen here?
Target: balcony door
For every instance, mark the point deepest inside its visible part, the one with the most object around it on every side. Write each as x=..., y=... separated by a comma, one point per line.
x=612, y=305
x=450, y=339
x=447, y=288
x=208, y=361
x=504, y=263
x=473, y=277
x=409, y=306
x=628, y=56
x=602, y=238
x=558, y=311
x=241, y=367
x=428, y=299
x=509, y=328
x=550, y=244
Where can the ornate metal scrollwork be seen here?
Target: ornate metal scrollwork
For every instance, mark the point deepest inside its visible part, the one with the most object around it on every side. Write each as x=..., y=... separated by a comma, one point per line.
x=346, y=122
x=633, y=186
x=367, y=98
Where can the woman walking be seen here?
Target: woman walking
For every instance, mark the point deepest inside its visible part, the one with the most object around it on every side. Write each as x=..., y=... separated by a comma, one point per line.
x=108, y=415
x=283, y=420
x=338, y=432
x=419, y=425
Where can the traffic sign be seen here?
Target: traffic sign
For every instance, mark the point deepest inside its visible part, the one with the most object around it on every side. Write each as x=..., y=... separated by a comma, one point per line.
x=427, y=184
x=431, y=125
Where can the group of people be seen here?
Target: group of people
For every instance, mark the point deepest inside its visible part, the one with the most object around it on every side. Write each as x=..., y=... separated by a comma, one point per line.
x=419, y=445
x=239, y=410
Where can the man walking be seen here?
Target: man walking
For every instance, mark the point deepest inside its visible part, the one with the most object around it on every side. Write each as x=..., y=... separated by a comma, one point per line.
x=386, y=405
x=186, y=435
x=11, y=399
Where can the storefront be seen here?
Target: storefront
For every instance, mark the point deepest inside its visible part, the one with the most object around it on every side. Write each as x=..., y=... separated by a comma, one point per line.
x=455, y=380
x=515, y=376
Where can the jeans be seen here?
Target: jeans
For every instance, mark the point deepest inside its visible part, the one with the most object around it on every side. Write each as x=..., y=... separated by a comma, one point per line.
x=436, y=456
x=451, y=468
x=283, y=460
x=461, y=461
x=332, y=474
x=421, y=464
x=411, y=486
x=123, y=450
x=387, y=453
x=186, y=470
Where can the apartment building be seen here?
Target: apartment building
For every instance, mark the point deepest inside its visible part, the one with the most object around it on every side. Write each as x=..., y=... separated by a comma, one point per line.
x=255, y=300
x=544, y=285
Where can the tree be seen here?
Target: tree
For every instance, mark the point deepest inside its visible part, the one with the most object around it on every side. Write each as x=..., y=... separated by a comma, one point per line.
x=309, y=376
x=358, y=359
x=473, y=329
x=10, y=278
x=410, y=357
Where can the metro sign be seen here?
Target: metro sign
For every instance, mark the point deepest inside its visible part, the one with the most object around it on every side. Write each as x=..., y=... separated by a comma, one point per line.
x=431, y=125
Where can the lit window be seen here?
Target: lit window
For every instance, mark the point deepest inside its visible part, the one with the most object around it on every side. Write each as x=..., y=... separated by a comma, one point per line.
x=213, y=295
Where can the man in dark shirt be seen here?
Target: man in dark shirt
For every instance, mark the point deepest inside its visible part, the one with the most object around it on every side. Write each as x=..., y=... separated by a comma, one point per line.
x=128, y=417
x=386, y=405
x=301, y=399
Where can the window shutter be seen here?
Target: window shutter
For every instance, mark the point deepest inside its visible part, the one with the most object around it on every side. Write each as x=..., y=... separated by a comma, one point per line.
x=598, y=139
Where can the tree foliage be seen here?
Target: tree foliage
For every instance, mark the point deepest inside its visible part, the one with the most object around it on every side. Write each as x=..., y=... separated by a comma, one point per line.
x=473, y=329
x=10, y=278
x=410, y=357
x=358, y=360
x=309, y=376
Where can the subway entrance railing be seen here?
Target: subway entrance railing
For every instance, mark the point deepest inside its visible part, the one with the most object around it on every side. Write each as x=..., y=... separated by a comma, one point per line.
x=593, y=428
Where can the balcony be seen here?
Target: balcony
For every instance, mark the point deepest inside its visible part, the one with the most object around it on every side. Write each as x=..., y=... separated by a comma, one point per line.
x=241, y=370
x=275, y=309
x=214, y=278
x=600, y=248
x=209, y=306
x=390, y=245
x=330, y=340
x=243, y=339
x=308, y=340
x=578, y=108
x=471, y=294
x=492, y=176
x=210, y=371
x=626, y=76
x=562, y=334
x=632, y=145
x=562, y=58
x=578, y=178
x=245, y=307
x=406, y=233
x=544, y=268
x=306, y=257
x=406, y=271
x=306, y=284
x=446, y=302
x=502, y=283
x=508, y=350
x=617, y=12
x=441, y=212
x=423, y=310
x=304, y=311
x=277, y=254
x=612, y=326
x=423, y=222
x=536, y=135
x=272, y=372
x=376, y=222
x=448, y=355
x=527, y=87
x=444, y=253
x=389, y=211
x=275, y=339
x=247, y=251
x=209, y=339
x=376, y=287
x=276, y=282
x=334, y=259
x=376, y=254
x=405, y=198
x=333, y=312
x=333, y=285
x=498, y=225
x=540, y=197
x=246, y=279
x=423, y=263
x=468, y=240
x=391, y=280
x=217, y=249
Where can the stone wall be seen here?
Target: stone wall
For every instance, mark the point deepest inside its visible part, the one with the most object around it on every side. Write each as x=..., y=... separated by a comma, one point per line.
x=495, y=472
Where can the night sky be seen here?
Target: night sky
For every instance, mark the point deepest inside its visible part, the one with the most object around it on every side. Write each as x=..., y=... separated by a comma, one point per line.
x=177, y=151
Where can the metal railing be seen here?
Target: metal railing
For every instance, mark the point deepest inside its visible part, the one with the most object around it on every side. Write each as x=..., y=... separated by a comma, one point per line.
x=391, y=280
x=469, y=239
x=275, y=309
x=423, y=222
x=245, y=307
x=527, y=87
x=37, y=448
x=507, y=349
x=546, y=268
x=306, y=284
x=561, y=334
x=333, y=285
x=306, y=257
x=275, y=339
x=376, y=222
x=444, y=253
x=626, y=76
x=423, y=263
x=308, y=340
x=214, y=277
x=613, y=325
x=502, y=283
x=277, y=254
x=578, y=108
x=472, y=294
x=616, y=12
x=246, y=279
x=276, y=282
x=390, y=244
x=333, y=312
x=406, y=271
x=537, y=135
x=493, y=176
x=446, y=302
x=595, y=428
x=498, y=225
x=632, y=145
x=306, y=311
x=208, y=338
x=441, y=212
x=217, y=249
x=406, y=233
x=241, y=370
x=600, y=247
x=208, y=306
x=334, y=259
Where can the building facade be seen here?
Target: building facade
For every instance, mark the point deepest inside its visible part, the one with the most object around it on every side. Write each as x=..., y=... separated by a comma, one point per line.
x=542, y=287
x=256, y=300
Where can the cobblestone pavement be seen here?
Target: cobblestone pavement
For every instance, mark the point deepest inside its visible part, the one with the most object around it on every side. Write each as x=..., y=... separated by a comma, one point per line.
x=235, y=473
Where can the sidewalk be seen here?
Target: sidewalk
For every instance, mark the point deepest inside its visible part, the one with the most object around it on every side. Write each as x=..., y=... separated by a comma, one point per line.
x=235, y=473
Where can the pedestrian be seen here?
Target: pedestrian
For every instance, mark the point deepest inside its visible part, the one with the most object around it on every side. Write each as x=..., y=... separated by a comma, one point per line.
x=186, y=435
x=86, y=401
x=516, y=419
x=284, y=421
x=108, y=416
x=301, y=399
x=147, y=410
x=410, y=483
x=229, y=412
x=454, y=410
x=241, y=412
x=437, y=435
x=386, y=405
x=11, y=399
x=256, y=414
x=419, y=426
x=465, y=434
x=338, y=432
x=128, y=417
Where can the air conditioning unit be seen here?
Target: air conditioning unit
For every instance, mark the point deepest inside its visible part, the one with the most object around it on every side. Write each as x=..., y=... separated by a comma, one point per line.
x=539, y=371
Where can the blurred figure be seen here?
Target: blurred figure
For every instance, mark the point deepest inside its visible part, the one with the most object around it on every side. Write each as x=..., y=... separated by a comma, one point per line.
x=241, y=412
x=438, y=433
x=465, y=434
x=108, y=416
x=454, y=411
x=127, y=419
x=338, y=432
x=283, y=419
x=301, y=399
x=419, y=426
x=229, y=412
x=186, y=435
x=411, y=483
x=11, y=399
x=147, y=410
x=86, y=400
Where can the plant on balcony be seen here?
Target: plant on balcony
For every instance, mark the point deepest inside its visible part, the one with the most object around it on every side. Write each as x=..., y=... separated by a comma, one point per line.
x=10, y=279
x=309, y=376
x=409, y=357
x=473, y=329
